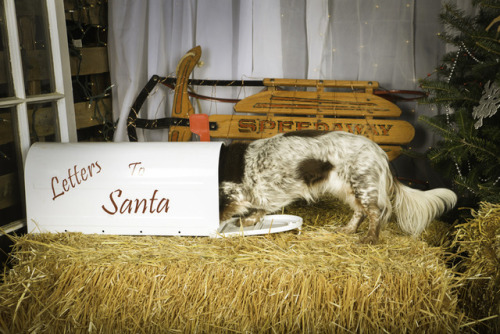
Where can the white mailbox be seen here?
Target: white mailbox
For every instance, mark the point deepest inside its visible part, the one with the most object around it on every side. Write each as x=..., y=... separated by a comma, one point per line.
x=130, y=189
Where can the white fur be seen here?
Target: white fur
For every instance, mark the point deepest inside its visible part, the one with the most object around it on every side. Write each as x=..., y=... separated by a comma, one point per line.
x=415, y=209
x=360, y=176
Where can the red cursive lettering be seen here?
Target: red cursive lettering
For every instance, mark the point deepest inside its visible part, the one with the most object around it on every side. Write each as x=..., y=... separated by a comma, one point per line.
x=113, y=202
x=74, y=178
x=53, y=190
x=135, y=205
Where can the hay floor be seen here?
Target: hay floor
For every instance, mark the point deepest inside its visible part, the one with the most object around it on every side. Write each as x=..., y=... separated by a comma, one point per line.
x=478, y=239
x=315, y=281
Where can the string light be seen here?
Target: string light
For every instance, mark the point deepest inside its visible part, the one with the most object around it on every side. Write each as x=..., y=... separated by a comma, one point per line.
x=470, y=54
x=496, y=181
x=448, y=112
x=448, y=109
x=455, y=60
x=82, y=24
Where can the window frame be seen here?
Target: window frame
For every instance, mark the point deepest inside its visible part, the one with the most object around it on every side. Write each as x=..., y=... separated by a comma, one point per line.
x=61, y=98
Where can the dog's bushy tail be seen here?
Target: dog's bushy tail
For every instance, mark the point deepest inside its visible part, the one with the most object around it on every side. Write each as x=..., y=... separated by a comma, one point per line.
x=415, y=209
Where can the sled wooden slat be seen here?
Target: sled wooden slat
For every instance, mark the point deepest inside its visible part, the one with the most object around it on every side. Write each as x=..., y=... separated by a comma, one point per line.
x=382, y=131
x=392, y=151
x=270, y=82
x=341, y=104
x=389, y=134
x=354, y=109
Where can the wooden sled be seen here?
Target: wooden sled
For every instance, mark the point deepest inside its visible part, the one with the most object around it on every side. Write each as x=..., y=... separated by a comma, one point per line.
x=333, y=105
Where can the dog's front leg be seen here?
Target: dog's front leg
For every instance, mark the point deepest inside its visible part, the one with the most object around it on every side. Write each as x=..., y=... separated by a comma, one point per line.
x=252, y=218
x=231, y=210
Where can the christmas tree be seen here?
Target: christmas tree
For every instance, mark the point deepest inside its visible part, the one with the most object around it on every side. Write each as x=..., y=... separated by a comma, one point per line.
x=466, y=89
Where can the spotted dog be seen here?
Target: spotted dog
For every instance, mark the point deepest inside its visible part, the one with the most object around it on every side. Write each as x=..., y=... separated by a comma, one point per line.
x=267, y=174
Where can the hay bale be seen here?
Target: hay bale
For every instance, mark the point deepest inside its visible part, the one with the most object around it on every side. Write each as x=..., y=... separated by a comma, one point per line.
x=330, y=211
x=478, y=242
x=315, y=281
x=326, y=211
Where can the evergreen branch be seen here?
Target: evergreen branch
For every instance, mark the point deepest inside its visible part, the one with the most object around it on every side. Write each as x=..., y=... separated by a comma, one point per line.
x=445, y=92
x=438, y=155
x=459, y=144
x=440, y=87
x=440, y=128
x=471, y=155
x=493, y=4
x=461, y=182
x=413, y=153
x=450, y=149
x=455, y=18
x=454, y=99
x=450, y=39
x=484, y=37
x=468, y=29
x=482, y=191
x=487, y=48
x=474, y=148
x=470, y=139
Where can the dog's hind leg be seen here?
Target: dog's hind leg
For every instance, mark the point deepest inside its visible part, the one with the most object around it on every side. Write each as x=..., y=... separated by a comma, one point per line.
x=373, y=212
x=366, y=205
x=362, y=211
x=352, y=225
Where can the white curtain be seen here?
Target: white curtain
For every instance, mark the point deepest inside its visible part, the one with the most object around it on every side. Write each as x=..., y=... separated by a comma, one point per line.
x=390, y=41
x=393, y=42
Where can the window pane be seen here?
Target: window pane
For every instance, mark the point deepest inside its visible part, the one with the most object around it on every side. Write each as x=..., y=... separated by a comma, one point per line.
x=42, y=120
x=10, y=194
x=5, y=73
x=35, y=48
